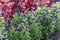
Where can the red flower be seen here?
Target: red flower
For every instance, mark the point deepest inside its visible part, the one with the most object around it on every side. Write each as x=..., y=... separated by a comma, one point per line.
x=2, y=14
x=23, y=5
x=27, y=6
x=9, y=5
x=31, y=1
x=21, y=0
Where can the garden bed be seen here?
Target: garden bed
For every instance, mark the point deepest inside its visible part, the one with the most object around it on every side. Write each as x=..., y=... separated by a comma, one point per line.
x=32, y=25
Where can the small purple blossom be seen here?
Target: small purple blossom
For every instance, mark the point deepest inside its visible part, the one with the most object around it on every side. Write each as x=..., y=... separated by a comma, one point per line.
x=19, y=13
x=15, y=25
x=3, y=38
x=20, y=23
x=21, y=28
x=12, y=17
x=33, y=18
x=55, y=16
x=28, y=19
x=41, y=24
x=57, y=12
x=24, y=16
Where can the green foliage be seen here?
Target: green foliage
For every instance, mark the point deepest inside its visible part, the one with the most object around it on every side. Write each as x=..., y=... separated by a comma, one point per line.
x=1, y=27
x=19, y=32
x=48, y=21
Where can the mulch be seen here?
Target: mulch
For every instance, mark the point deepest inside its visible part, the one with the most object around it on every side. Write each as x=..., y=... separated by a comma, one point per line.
x=55, y=36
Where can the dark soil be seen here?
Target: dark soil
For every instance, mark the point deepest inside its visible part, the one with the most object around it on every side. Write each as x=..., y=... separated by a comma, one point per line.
x=55, y=36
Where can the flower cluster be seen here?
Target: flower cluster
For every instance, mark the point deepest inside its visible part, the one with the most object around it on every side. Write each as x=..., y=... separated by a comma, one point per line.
x=36, y=27
x=9, y=7
x=23, y=5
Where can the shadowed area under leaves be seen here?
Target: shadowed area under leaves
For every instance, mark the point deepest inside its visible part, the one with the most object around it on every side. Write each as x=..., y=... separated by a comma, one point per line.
x=55, y=36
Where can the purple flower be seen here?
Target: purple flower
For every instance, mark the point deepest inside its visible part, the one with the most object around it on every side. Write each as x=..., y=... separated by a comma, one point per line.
x=57, y=12
x=15, y=25
x=33, y=18
x=6, y=21
x=12, y=17
x=41, y=24
x=24, y=16
x=3, y=38
x=19, y=13
x=20, y=23
x=28, y=19
x=21, y=28
x=55, y=16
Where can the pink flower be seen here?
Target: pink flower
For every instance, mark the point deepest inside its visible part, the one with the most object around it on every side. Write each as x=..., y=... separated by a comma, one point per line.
x=4, y=0
x=1, y=6
x=38, y=3
x=31, y=1
x=46, y=1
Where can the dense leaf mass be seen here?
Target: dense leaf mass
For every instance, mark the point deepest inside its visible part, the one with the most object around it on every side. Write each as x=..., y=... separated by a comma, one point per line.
x=32, y=25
